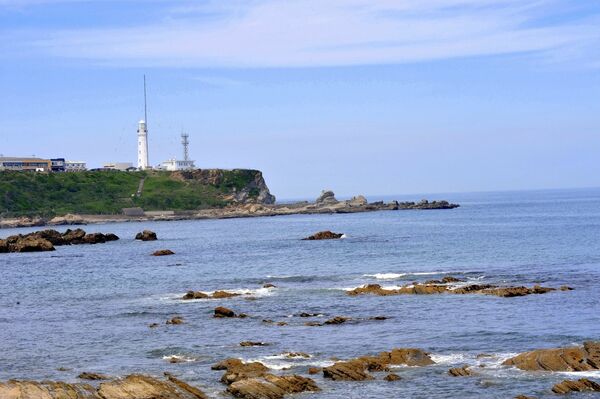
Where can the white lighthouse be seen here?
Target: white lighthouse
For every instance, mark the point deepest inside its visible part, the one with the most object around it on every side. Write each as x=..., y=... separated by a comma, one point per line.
x=142, y=133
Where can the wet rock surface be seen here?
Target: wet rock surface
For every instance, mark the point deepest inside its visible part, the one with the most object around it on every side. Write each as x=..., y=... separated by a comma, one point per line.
x=146, y=235
x=215, y=295
x=581, y=385
x=460, y=371
x=358, y=369
x=134, y=386
x=585, y=358
x=92, y=376
x=47, y=240
x=324, y=235
x=163, y=252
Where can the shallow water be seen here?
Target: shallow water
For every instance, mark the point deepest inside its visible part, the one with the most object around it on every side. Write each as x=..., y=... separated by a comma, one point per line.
x=87, y=308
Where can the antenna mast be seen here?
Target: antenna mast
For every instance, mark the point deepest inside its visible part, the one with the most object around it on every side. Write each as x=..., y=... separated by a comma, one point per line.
x=145, y=108
x=186, y=143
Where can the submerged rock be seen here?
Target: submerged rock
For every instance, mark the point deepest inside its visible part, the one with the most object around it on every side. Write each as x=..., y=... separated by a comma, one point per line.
x=92, y=376
x=163, y=252
x=146, y=235
x=337, y=320
x=392, y=377
x=223, y=312
x=324, y=235
x=215, y=295
x=584, y=358
x=176, y=320
x=460, y=371
x=134, y=386
x=568, y=386
x=253, y=343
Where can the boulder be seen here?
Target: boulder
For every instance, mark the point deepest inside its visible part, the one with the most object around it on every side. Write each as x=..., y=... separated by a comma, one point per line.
x=584, y=358
x=324, y=235
x=327, y=197
x=237, y=370
x=111, y=237
x=269, y=285
x=337, y=320
x=253, y=343
x=460, y=371
x=176, y=320
x=222, y=312
x=30, y=244
x=392, y=377
x=568, y=386
x=347, y=371
x=314, y=370
x=359, y=200
x=223, y=294
x=163, y=252
x=146, y=235
x=195, y=295
x=3, y=246
x=134, y=386
x=94, y=238
x=73, y=236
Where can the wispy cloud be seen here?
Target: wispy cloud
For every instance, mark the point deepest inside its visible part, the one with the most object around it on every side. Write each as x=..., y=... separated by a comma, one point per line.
x=298, y=33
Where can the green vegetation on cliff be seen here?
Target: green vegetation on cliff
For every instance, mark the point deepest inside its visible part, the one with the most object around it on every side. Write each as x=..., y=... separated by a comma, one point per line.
x=107, y=192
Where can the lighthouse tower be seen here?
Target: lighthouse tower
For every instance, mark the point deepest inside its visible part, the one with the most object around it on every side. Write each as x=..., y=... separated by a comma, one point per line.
x=142, y=133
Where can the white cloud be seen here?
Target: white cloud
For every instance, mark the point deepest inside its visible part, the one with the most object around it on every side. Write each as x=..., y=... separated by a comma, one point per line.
x=297, y=33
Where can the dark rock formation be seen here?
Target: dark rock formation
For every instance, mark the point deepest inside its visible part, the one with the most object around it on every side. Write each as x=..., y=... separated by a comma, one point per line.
x=425, y=204
x=94, y=238
x=222, y=312
x=215, y=295
x=582, y=385
x=134, y=386
x=324, y=235
x=146, y=235
x=163, y=252
x=29, y=244
x=46, y=240
x=337, y=320
x=269, y=285
x=314, y=370
x=176, y=320
x=584, y=358
x=253, y=343
x=460, y=371
x=392, y=377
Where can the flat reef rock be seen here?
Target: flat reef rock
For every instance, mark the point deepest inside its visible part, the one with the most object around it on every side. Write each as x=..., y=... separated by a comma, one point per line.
x=428, y=289
x=584, y=358
x=134, y=386
x=357, y=369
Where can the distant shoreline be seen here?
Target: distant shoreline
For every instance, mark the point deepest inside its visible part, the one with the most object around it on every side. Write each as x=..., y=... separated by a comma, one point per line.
x=355, y=205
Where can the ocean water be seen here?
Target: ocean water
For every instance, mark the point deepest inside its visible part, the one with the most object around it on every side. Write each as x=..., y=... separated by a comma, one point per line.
x=87, y=308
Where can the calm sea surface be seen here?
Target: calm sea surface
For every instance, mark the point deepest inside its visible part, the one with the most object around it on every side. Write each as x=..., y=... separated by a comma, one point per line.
x=87, y=308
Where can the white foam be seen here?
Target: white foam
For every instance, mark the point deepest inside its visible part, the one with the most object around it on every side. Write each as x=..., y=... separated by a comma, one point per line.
x=385, y=276
x=580, y=374
x=344, y=236
x=282, y=362
x=451, y=358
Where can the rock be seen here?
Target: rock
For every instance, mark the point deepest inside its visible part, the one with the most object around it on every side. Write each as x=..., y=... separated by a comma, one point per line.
x=523, y=397
x=195, y=295
x=153, y=325
x=337, y=320
x=565, y=288
x=356, y=369
x=271, y=386
x=146, y=235
x=176, y=320
x=237, y=370
x=281, y=323
x=163, y=252
x=378, y=318
x=327, y=197
x=30, y=244
x=269, y=285
x=359, y=200
x=68, y=219
x=111, y=237
x=314, y=370
x=313, y=324
x=295, y=355
x=223, y=294
x=3, y=246
x=304, y=314
x=324, y=235
x=94, y=238
x=92, y=376
x=253, y=343
x=134, y=386
x=460, y=371
x=584, y=358
x=392, y=377
x=73, y=236
x=509, y=292
x=581, y=385
x=221, y=312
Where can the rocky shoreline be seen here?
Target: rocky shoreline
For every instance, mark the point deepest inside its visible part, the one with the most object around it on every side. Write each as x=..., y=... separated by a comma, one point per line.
x=325, y=204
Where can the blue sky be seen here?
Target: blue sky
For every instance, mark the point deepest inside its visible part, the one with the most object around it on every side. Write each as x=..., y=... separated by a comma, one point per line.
x=358, y=96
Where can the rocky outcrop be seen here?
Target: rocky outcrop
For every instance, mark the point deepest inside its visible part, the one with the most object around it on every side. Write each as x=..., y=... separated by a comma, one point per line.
x=29, y=244
x=223, y=312
x=271, y=386
x=425, y=204
x=357, y=369
x=215, y=295
x=146, y=235
x=68, y=219
x=134, y=386
x=253, y=343
x=582, y=385
x=46, y=240
x=324, y=235
x=583, y=358
x=163, y=252
x=327, y=197
x=392, y=377
x=176, y=320
x=337, y=320
x=435, y=288
x=460, y=371
x=92, y=376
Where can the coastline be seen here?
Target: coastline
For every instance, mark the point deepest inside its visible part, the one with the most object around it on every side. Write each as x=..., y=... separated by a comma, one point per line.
x=355, y=205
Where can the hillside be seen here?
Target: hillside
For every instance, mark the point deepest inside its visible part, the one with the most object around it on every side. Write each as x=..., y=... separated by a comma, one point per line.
x=107, y=192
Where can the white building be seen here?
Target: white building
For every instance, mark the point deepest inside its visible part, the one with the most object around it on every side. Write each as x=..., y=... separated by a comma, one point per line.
x=173, y=164
x=75, y=166
x=142, y=133
x=123, y=166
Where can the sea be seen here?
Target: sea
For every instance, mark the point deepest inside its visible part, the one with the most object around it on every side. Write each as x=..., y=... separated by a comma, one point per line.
x=89, y=307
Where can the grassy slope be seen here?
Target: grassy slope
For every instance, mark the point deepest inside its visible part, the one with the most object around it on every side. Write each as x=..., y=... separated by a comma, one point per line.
x=107, y=192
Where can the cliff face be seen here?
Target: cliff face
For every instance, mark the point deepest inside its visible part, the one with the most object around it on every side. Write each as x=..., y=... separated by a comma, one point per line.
x=241, y=186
